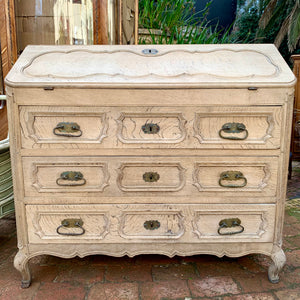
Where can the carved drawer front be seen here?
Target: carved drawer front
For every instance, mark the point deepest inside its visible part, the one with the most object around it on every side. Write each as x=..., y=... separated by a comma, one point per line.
x=64, y=175
x=239, y=127
x=151, y=128
x=236, y=176
x=151, y=225
x=228, y=223
x=43, y=126
x=151, y=177
x=66, y=223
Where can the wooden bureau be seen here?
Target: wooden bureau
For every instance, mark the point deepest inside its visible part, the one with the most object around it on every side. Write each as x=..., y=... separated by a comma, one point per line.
x=127, y=150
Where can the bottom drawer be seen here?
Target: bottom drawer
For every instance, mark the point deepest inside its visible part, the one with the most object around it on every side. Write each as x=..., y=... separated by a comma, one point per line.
x=69, y=223
x=199, y=223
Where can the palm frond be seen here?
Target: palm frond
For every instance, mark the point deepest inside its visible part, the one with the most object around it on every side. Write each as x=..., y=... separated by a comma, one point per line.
x=282, y=32
x=267, y=14
x=260, y=33
x=294, y=27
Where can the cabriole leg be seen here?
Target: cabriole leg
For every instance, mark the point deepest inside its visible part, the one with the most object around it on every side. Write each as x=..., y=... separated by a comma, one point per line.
x=21, y=264
x=279, y=260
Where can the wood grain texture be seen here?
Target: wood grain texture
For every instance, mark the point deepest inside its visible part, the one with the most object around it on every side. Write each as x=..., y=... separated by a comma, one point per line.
x=202, y=66
x=124, y=223
x=39, y=123
x=3, y=123
x=179, y=127
x=100, y=22
x=186, y=202
x=129, y=21
x=295, y=143
x=8, y=53
x=7, y=36
x=123, y=178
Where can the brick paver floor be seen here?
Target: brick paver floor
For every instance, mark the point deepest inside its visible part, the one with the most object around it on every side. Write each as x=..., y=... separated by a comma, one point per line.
x=151, y=277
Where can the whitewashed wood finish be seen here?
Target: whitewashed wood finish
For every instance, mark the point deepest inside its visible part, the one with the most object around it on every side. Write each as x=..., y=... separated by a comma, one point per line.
x=39, y=123
x=185, y=65
x=124, y=223
x=206, y=175
x=43, y=222
x=122, y=177
x=171, y=177
x=256, y=221
x=171, y=127
x=156, y=97
x=180, y=127
x=47, y=177
x=250, y=84
x=262, y=125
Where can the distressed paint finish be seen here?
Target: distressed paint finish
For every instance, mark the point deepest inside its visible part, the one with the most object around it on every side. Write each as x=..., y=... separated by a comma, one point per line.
x=151, y=191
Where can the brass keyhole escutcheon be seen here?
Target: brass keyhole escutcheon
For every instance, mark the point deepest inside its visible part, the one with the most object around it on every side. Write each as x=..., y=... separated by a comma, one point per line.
x=150, y=51
x=150, y=128
x=151, y=176
x=151, y=224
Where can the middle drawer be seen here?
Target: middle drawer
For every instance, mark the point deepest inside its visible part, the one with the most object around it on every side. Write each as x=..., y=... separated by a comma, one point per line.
x=155, y=176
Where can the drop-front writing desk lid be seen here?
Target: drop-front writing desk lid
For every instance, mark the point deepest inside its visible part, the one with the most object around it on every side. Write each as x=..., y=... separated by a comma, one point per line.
x=143, y=66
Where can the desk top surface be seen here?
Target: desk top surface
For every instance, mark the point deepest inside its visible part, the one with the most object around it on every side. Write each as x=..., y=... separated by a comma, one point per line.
x=146, y=66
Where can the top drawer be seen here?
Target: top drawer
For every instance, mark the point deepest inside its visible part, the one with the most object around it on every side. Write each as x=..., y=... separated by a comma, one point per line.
x=224, y=127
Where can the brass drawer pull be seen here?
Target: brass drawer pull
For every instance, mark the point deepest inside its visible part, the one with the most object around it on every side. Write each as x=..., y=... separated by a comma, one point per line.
x=150, y=128
x=67, y=129
x=232, y=176
x=233, y=128
x=229, y=223
x=66, y=177
x=71, y=223
x=151, y=176
x=151, y=224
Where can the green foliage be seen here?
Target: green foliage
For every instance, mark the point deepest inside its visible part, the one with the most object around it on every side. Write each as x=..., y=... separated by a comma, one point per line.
x=178, y=23
x=270, y=21
x=246, y=25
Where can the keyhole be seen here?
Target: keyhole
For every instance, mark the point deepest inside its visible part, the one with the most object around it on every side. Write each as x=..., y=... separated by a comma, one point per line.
x=151, y=177
x=150, y=51
x=150, y=128
x=151, y=225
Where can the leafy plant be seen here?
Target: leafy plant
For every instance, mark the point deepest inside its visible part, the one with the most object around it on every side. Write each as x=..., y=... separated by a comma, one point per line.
x=288, y=13
x=270, y=21
x=175, y=21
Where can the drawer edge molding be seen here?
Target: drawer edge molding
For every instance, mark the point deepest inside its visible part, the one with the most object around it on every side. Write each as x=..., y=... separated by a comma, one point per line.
x=37, y=216
x=235, y=166
x=262, y=228
x=39, y=187
x=181, y=125
x=27, y=123
x=152, y=215
x=178, y=187
x=269, y=116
